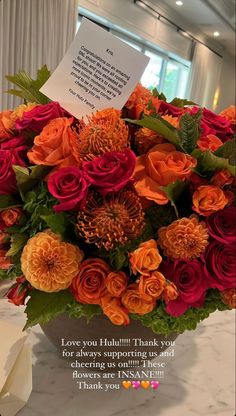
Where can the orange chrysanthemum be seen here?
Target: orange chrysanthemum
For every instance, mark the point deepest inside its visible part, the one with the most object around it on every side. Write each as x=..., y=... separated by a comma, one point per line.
x=110, y=220
x=104, y=132
x=183, y=239
x=50, y=264
x=174, y=121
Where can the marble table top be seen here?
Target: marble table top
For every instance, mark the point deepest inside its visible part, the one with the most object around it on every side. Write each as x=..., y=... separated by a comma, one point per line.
x=199, y=380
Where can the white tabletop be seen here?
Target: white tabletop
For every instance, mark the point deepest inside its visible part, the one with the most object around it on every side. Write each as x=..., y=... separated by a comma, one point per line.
x=199, y=380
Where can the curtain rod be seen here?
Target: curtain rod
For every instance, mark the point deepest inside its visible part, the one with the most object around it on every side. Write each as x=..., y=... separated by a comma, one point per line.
x=142, y=3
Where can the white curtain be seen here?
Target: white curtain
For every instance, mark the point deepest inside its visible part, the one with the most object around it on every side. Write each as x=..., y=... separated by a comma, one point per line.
x=33, y=33
x=205, y=76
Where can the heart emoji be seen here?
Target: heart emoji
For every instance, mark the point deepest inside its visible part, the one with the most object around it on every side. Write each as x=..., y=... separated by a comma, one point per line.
x=136, y=384
x=155, y=384
x=126, y=384
x=145, y=384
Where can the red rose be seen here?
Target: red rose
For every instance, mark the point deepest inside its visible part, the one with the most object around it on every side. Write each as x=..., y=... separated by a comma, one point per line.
x=111, y=171
x=19, y=291
x=17, y=148
x=70, y=187
x=166, y=108
x=220, y=265
x=191, y=282
x=212, y=123
x=221, y=225
x=39, y=116
x=7, y=175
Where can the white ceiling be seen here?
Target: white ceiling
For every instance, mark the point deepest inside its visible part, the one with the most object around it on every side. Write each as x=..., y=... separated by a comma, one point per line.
x=201, y=18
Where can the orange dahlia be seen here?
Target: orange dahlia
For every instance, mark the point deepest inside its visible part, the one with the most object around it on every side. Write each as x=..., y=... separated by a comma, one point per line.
x=184, y=239
x=48, y=263
x=110, y=220
x=104, y=132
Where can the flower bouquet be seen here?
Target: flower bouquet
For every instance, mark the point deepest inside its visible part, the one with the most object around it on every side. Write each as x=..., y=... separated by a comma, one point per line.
x=129, y=214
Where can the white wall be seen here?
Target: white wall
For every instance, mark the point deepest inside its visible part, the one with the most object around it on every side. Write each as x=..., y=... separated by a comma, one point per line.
x=126, y=14
x=227, y=83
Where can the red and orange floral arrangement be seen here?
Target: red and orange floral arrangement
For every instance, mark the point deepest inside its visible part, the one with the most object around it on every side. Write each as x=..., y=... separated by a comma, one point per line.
x=127, y=213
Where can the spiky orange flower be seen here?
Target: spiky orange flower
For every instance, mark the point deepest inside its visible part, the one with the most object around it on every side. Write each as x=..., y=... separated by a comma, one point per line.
x=184, y=239
x=114, y=219
x=104, y=132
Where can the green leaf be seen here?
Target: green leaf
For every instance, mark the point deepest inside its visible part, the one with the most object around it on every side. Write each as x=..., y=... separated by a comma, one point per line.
x=77, y=310
x=173, y=191
x=7, y=201
x=208, y=162
x=42, y=306
x=189, y=131
x=13, y=272
x=228, y=151
x=160, y=126
x=56, y=222
x=17, y=243
x=26, y=178
x=159, y=95
x=162, y=323
x=160, y=215
x=181, y=102
x=28, y=89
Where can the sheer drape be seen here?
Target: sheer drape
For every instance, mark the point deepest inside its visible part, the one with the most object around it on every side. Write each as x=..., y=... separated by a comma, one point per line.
x=205, y=76
x=33, y=33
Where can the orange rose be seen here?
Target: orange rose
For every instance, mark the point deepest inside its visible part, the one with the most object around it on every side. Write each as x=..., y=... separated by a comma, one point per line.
x=229, y=297
x=114, y=310
x=11, y=216
x=6, y=125
x=162, y=165
x=138, y=101
x=151, y=286
x=209, y=142
x=170, y=292
x=89, y=285
x=116, y=283
x=229, y=113
x=133, y=301
x=222, y=178
x=52, y=146
x=145, y=258
x=5, y=262
x=208, y=199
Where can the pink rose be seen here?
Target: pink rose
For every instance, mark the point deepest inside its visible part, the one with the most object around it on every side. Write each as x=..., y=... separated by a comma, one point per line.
x=7, y=175
x=220, y=265
x=111, y=171
x=191, y=282
x=17, y=148
x=70, y=187
x=39, y=116
x=221, y=225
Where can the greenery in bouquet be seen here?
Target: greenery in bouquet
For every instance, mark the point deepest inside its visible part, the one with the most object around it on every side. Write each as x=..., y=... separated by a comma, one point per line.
x=130, y=213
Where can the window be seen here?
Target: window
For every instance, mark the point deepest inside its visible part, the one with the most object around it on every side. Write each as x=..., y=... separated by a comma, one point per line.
x=168, y=74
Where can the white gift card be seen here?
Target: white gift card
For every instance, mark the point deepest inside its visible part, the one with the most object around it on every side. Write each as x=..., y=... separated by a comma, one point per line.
x=98, y=71
x=15, y=369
